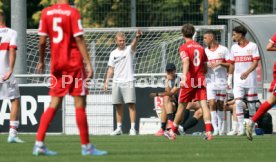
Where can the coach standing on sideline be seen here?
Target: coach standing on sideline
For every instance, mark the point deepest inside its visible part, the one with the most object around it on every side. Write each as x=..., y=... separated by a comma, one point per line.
x=123, y=91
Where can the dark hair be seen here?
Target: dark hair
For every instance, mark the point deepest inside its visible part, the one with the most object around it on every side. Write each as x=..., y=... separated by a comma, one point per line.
x=240, y=29
x=188, y=30
x=212, y=32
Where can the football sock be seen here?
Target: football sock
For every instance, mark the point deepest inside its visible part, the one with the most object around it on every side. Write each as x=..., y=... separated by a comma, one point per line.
x=82, y=125
x=13, y=128
x=261, y=111
x=214, y=120
x=45, y=120
x=190, y=123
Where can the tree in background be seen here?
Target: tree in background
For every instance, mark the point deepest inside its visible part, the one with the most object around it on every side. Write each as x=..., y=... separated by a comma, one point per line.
x=116, y=13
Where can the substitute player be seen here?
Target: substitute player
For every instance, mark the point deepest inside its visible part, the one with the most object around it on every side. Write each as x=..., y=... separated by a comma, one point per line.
x=193, y=77
x=246, y=58
x=170, y=97
x=271, y=101
x=62, y=24
x=216, y=78
x=8, y=85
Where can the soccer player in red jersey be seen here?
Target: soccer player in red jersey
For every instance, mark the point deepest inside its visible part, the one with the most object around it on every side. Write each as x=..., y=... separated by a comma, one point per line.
x=62, y=24
x=271, y=101
x=193, y=77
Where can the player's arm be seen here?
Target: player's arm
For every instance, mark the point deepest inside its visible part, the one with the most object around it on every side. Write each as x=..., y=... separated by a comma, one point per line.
x=185, y=69
x=136, y=39
x=270, y=46
x=206, y=65
x=42, y=47
x=12, y=57
x=251, y=68
x=230, y=68
x=224, y=64
x=168, y=92
x=83, y=50
x=109, y=74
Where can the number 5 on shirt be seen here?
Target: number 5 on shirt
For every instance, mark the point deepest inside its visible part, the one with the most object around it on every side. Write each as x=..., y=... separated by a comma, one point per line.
x=57, y=29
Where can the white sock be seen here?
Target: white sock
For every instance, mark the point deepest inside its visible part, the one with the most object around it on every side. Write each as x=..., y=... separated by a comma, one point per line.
x=132, y=126
x=39, y=143
x=240, y=115
x=220, y=115
x=223, y=126
x=86, y=146
x=13, y=128
x=252, y=109
x=235, y=126
x=214, y=120
x=240, y=122
x=119, y=126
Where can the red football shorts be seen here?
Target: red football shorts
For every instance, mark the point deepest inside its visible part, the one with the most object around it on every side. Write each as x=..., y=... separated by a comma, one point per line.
x=72, y=82
x=189, y=94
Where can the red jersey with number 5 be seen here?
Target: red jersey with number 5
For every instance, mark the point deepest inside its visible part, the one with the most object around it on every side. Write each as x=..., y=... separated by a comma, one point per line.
x=197, y=58
x=62, y=23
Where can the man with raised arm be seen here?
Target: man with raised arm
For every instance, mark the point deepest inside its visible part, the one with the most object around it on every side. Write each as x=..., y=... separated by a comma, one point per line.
x=123, y=91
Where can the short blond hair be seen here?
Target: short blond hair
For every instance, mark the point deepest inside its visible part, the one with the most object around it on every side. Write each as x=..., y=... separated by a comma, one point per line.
x=120, y=34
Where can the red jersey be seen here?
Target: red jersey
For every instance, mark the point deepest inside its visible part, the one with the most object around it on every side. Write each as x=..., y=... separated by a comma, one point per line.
x=62, y=23
x=197, y=58
x=273, y=40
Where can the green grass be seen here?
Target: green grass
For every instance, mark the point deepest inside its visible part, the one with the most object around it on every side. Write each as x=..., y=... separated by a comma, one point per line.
x=146, y=149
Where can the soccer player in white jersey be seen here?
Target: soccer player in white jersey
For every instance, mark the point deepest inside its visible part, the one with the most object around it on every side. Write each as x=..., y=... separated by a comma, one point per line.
x=216, y=78
x=8, y=85
x=123, y=91
x=246, y=58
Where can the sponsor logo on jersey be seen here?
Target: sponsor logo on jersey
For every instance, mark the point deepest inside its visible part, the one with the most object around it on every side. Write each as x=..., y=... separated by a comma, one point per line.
x=243, y=59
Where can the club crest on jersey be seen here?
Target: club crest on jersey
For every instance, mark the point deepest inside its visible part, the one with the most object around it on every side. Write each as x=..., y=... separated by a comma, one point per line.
x=249, y=51
x=220, y=55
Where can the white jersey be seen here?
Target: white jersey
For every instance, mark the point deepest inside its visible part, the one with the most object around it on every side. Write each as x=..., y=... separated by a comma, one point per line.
x=216, y=79
x=7, y=41
x=243, y=59
x=122, y=62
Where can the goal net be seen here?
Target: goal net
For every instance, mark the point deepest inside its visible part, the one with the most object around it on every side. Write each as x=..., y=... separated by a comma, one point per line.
x=157, y=46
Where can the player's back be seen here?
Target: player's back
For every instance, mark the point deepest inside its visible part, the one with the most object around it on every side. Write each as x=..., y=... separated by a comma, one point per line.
x=197, y=58
x=61, y=23
x=7, y=41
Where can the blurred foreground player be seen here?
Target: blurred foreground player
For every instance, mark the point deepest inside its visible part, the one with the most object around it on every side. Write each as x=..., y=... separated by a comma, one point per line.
x=271, y=101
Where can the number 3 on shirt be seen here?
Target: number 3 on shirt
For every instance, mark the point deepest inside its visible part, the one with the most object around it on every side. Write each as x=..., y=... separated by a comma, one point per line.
x=58, y=29
x=196, y=60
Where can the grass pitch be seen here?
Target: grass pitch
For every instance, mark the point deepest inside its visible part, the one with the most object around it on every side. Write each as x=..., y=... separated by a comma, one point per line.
x=146, y=149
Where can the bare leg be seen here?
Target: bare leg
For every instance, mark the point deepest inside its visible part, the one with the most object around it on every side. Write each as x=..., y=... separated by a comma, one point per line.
x=119, y=112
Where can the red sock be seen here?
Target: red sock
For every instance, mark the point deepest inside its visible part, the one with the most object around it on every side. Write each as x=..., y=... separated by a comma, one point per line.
x=82, y=125
x=45, y=120
x=261, y=111
x=208, y=127
x=174, y=128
